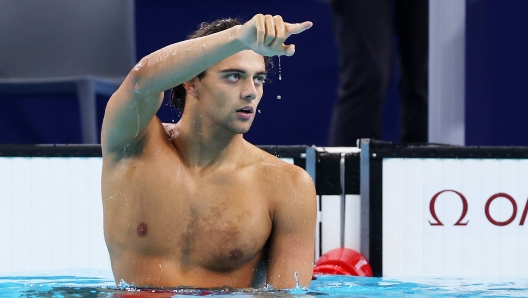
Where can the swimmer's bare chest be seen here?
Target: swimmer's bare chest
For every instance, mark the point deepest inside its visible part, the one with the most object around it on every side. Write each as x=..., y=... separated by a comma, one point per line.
x=160, y=211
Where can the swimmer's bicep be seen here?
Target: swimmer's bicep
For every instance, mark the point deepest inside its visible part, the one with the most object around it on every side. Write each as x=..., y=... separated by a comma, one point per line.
x=127, y=116
x=292, y=241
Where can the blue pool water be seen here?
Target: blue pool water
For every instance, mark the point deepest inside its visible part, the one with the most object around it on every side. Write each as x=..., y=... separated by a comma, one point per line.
x=324, y=285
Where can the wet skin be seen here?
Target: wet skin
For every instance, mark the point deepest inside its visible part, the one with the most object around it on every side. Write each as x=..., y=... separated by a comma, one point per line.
x=167, y=225
x=193, y=203
x=168, y=222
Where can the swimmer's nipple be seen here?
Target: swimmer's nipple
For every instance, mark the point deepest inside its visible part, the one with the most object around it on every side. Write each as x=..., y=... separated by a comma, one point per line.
x=235, y=254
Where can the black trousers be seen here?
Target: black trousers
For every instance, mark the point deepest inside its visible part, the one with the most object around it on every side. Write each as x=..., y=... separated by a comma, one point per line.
x=364, y=32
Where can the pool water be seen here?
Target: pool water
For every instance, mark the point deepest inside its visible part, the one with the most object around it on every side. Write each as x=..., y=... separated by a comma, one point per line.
x=85, y=285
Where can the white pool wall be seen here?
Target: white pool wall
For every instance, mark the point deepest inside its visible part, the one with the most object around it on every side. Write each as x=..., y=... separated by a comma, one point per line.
x=51, y=214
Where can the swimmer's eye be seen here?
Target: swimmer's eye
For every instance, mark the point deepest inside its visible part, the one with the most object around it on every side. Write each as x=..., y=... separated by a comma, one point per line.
x=233, y=77
x=259, y=80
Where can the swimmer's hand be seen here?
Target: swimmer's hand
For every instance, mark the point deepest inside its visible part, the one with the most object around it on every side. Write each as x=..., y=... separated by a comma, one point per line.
x=265, y=34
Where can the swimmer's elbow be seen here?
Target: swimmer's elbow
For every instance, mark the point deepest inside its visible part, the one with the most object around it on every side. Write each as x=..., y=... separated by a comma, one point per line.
x=139, y=77
x=140, y=68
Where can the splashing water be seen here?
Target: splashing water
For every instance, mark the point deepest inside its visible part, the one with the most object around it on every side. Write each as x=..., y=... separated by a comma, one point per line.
x=76, y=284
x=298, y=290
x=297, y=283
x=124, y=286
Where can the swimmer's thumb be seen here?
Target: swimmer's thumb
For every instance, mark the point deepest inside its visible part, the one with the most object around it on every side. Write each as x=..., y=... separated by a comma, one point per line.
x=287, y=50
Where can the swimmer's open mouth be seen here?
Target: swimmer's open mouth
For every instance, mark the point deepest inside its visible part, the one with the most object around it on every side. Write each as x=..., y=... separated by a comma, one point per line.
x=246, y=110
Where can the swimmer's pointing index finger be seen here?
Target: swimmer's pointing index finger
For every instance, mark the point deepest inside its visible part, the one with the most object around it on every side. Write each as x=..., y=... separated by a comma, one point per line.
x=265, y=34
x=297, y=28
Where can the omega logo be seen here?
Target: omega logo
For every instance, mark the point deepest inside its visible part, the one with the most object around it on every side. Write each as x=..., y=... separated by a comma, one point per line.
x=465, y=207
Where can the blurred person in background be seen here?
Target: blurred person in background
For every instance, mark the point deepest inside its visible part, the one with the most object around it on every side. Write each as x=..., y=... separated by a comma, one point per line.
x=364, y=32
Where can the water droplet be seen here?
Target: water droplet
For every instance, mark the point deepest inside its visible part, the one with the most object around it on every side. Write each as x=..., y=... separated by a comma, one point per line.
x=258, y=111
x=280, y=70
x=138, y=66
x=279, y=97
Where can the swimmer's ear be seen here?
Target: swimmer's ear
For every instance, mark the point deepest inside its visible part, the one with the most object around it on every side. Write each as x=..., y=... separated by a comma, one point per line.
x=190, y=87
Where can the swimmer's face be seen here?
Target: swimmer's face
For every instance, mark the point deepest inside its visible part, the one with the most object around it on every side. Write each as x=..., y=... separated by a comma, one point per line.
x=231, y=90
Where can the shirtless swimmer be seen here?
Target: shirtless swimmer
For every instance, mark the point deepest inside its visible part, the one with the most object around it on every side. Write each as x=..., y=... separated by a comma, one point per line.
x=193, y=203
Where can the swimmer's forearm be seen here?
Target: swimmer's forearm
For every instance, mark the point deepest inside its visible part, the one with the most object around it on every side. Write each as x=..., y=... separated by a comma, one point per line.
x=133, y=106
x=182, y=61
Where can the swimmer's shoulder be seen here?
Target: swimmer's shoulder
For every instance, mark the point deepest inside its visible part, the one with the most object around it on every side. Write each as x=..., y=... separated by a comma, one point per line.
x=287, y=186
x=285, y=174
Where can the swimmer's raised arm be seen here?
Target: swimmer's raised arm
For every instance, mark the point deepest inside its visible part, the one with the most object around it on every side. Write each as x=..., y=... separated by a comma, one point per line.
x=133, y=106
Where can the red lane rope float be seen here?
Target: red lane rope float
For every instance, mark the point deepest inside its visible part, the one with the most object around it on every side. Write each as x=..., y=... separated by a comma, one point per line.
x=343, y=261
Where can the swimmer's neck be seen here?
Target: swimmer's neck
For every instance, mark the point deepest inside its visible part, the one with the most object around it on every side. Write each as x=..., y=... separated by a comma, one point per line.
x=205, y=148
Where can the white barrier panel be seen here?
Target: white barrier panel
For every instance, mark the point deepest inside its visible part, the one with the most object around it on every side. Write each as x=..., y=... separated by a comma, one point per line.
x=331, y=223
x=455, y=218
x=51, y=214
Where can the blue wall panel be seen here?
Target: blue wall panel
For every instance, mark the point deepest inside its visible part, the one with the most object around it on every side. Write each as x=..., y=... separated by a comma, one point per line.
x=497, y=72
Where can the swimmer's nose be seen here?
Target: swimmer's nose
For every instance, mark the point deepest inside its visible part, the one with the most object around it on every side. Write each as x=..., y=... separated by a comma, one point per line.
x=249, y=91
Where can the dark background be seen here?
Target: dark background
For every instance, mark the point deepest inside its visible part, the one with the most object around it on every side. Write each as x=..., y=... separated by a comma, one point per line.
x=497, y=72
x=496, y=75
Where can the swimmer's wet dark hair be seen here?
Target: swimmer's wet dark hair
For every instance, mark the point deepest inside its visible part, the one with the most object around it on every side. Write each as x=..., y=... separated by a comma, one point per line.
x=178, y=93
